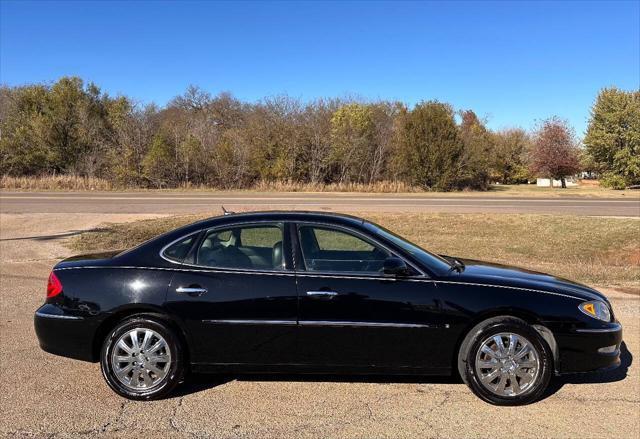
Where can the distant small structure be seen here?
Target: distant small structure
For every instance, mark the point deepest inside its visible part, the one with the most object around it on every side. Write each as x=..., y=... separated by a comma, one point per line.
x=546, y=182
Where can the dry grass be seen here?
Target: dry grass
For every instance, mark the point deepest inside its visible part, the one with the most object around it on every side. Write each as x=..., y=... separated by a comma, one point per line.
x=600, y=251
x=55, y=183
x=75, y=183
x=586, y=188
x=117, y=236
x=378, y=187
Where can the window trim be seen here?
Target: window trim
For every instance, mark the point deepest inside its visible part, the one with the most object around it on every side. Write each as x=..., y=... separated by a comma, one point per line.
x=302, y=268
x=282, y=225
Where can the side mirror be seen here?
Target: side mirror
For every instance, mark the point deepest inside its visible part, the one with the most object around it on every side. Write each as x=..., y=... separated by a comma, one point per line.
x=395, y=267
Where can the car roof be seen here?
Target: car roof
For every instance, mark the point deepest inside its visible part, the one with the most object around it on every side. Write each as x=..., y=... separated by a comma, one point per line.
x=285, y=215
x=232, y=218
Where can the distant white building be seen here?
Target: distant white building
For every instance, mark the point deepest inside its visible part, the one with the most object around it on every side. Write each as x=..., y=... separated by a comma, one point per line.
x=545, y=182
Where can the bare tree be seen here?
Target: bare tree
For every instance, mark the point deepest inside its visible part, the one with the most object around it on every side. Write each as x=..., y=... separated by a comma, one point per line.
x=316, y=126
x=384, y=117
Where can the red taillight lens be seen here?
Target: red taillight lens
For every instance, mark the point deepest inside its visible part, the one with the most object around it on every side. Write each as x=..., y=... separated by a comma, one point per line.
x=54, y=287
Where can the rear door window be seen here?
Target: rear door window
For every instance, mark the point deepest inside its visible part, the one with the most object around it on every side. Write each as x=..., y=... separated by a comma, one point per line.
x=257, y=247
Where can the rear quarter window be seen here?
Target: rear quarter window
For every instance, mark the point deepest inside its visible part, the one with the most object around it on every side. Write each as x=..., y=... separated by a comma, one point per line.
x=177, y=251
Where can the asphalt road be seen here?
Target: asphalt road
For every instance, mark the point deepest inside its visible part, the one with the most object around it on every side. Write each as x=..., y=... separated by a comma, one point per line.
x=42, y=395
x=198, y=202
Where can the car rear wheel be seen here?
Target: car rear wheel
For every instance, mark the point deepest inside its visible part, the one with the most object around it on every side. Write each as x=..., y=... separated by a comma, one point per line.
x=506, y=362
x=141, y=359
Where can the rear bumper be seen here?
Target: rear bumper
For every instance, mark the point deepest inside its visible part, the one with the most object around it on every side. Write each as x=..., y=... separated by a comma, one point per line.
x=589, y=349
x=64, y=334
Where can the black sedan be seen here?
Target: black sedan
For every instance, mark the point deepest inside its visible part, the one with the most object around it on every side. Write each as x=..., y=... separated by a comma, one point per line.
x=319, y=293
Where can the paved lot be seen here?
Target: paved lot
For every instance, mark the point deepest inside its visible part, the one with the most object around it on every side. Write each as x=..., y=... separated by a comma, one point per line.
x=197, y=202
x=47, y=396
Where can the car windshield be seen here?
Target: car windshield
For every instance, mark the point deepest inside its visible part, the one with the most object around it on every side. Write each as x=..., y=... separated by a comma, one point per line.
x=431, y=260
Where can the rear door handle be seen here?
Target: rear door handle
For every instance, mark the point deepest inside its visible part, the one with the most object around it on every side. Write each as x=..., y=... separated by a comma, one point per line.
x=321, y=293
x=191, y=291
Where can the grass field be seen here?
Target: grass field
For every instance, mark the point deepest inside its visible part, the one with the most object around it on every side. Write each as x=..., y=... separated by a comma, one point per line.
x=598, y=251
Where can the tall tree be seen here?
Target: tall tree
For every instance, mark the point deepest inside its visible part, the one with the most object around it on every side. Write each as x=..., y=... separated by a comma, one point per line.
x=352, y=141
x=75, y=129
x=473, y=165
x=159, y=161
x=509, y=156
x=385, y=116
x=555, y=154
x=133, y=128
x=273, y=130
x=430, y=146
x=60, y=128
x=613, y=135
x=23, y=148
x=316, y=139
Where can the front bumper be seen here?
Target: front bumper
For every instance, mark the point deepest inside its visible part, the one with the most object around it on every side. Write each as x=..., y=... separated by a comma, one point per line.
x=589, y=349
x=62, y=333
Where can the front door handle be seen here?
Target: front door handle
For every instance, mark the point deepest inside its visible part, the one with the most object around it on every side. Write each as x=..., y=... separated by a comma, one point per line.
x=321, y=293
x=191, y=291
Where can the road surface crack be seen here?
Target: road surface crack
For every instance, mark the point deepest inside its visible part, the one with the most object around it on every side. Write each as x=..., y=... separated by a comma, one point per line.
x=172, y=420
x=117, y=420
x=175, y=427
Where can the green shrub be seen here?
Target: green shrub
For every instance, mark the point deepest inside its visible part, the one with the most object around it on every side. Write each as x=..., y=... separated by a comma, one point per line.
x=613, y=181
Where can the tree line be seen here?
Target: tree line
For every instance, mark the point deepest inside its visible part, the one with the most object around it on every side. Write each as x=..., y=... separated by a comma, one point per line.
x=73, y=128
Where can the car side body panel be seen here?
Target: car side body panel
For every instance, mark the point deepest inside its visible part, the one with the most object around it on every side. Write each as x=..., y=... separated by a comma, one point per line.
x=244, y=317
x=252, y=320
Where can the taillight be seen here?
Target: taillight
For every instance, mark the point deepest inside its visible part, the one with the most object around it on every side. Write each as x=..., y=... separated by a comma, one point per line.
x=54, y=287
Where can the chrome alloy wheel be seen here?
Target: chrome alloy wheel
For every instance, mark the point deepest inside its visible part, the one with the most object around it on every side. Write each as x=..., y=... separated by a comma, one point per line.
x=507, y=364
x=141, y=359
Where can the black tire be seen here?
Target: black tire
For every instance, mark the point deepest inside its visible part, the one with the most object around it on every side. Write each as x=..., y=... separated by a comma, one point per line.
x=175, y=366
x=504, y=324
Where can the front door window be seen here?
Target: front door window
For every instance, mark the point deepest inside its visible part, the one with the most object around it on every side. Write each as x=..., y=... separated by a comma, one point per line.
x=328, y=249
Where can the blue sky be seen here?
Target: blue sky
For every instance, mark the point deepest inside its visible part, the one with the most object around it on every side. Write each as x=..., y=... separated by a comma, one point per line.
x=513, y=63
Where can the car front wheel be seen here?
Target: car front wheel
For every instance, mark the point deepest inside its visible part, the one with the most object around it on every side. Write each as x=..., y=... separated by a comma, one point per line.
x=141, y=359
x=507, y=362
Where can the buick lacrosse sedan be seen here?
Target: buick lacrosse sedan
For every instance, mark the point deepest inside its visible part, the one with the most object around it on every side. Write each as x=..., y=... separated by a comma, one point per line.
x=319, y=293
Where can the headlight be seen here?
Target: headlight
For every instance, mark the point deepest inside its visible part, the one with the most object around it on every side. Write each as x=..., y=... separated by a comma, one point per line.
x=596, y=309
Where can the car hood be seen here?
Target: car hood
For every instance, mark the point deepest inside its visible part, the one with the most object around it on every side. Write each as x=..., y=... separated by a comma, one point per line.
x=505, y=275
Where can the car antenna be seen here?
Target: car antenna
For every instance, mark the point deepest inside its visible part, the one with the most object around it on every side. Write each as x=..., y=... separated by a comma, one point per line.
x=226, y=212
